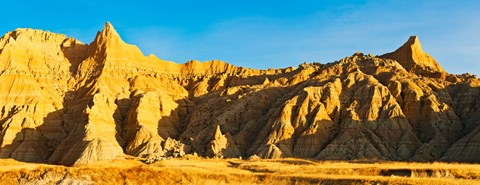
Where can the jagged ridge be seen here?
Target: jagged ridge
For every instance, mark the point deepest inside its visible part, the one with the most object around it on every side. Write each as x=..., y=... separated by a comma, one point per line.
x=65, y=102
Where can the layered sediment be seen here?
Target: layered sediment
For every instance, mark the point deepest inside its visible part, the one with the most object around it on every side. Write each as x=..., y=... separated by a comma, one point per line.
x=65, y=102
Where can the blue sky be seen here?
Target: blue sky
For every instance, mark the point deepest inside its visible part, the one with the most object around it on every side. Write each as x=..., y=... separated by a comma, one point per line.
x=268, y=33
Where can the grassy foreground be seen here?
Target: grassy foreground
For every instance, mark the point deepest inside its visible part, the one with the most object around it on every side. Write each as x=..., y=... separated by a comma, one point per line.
x=235, y=171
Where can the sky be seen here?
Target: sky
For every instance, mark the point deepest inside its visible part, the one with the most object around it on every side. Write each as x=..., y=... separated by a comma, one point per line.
x=266, y=33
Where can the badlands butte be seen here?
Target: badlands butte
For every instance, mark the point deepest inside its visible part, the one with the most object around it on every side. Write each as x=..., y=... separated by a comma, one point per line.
x=69, y=103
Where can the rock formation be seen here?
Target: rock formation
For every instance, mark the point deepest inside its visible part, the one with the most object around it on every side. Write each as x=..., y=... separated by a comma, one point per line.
x=413, y=59
x=65, y=102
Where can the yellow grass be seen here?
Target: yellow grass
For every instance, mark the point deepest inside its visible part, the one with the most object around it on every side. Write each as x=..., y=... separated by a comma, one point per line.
x=235, y=171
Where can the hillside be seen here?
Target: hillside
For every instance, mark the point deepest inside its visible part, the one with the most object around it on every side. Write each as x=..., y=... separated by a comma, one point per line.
x=65, y=102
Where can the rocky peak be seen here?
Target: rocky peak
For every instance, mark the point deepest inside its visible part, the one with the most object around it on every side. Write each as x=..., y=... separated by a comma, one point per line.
x=26, y=37
x=26, y=49
x=414, y=42
x=109, y=44
x=108, y=37
x=412, y=57
x=218, y=133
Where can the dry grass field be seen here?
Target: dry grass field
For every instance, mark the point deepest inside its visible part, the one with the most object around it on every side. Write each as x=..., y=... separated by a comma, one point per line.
x=194, y=170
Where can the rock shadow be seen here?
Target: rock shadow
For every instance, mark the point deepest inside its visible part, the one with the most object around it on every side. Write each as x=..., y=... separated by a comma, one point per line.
x=38, y=143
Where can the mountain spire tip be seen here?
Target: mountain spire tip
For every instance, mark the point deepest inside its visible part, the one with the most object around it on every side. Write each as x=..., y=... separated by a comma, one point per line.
x=413, y=40
x=108, y=27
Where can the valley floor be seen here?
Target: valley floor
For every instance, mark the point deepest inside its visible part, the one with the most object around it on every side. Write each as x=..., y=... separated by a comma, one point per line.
x=194, y=170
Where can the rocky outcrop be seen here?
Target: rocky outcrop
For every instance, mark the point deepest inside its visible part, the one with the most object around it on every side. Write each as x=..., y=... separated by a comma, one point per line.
x=222, y=145
x=65, y=102
x=413, y=59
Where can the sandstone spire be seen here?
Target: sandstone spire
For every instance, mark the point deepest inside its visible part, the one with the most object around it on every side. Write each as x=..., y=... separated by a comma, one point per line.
x=412, y=57
x=108, y=48
x=108, y=36
x=108, y=42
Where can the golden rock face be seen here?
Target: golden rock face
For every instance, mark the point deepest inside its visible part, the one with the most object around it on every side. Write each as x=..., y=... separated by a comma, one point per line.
x=65, y=102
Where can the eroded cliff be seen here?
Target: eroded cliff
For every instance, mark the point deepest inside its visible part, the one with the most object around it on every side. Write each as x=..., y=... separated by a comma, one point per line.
x=65, y=102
